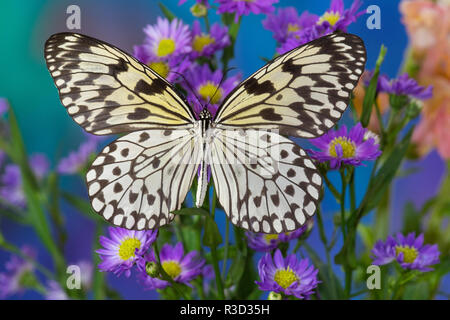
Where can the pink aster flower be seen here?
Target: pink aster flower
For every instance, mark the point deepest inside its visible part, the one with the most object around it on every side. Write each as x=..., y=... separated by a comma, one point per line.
x=408, y=251
x=168, y=38
x=123, y=248
x=342, y=147
x=287, y=21
x=288, y=276
x=206, y=44
x=169, y=67
x=180, y=267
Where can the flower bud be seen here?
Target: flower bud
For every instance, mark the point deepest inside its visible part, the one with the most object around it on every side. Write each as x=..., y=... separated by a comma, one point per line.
x=274, y=296
x=199, y=10
x=151, y=268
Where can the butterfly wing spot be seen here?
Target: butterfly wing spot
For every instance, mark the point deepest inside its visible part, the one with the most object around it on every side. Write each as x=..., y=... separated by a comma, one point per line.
x=118, y=93
x=303, y=92
x=135, y=185
x=271, y=196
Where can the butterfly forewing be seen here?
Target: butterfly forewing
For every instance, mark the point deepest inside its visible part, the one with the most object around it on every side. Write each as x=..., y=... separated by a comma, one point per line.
x=139, y=179
x=107, y=91
x=302, y=93
x=265, y=182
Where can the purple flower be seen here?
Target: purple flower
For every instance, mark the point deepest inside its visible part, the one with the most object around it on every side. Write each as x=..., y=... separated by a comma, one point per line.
x=335, y=18
x=204, y=44
x=19, y=274
x=208, y=275
x=169, y=67
x=289, y=275
x=39, y=164
x=4, y=106
x=288, y=236
x=338, y=18
x=404, y=85
x=167, y=38
x=180, y=267
x=203, y=84
x=268, y=242
x=408, y=251
x=261, y=241
x=299, y=38
x=11, y=180
x=123, y=248
x=339, y=147
x=11, y=186
x=244, y=7
x=286, y=22
x=77, y=159
x=55, y=292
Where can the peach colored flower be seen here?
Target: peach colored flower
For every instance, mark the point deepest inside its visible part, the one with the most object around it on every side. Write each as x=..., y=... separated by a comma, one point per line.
x=428, y=27
x=426, y=22
x=433, y=129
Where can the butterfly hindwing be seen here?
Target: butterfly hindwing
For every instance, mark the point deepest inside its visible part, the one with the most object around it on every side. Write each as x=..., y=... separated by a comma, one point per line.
x=107, y=91
x=265, y=182
x=139, y=179
x=302, y=93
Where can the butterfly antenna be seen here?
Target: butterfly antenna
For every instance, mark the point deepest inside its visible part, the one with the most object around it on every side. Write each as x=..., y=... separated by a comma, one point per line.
x=220, y=84
x=188, y=85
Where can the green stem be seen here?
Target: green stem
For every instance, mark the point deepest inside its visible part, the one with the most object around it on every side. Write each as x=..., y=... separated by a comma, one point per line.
x=225, y=255
x=332, y=188
x=215, y=259
x=352, y=190
x=207, y=25
x=98, y=283
x=342, y=201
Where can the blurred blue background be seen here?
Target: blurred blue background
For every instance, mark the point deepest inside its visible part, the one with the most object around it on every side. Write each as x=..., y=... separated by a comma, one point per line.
x=26, y=83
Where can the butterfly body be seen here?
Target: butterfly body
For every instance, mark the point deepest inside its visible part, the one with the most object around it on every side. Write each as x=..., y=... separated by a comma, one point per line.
x=264, y=181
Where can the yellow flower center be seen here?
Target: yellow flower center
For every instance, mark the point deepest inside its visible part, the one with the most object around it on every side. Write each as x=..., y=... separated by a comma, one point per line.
x=348, y=147
x=285, y=277
x=270, y=237
x=292, y=28
x=331, y=17
x=210, y=92
x=128, y=248
x=172, y=268
x=200, y=42
x=409, y=254
x=165, y=47
x=160, y=68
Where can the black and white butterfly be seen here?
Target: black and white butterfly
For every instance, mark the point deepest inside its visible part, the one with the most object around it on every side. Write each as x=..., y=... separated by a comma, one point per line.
x=264, y=181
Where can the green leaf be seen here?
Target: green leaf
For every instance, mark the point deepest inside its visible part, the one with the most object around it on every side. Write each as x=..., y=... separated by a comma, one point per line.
x=236, y=270
x=211, y=236
x=371, y=92
x=387, y=171
x=167, y=13
x=411, y=219
x=191, y=212
x=32, y=194
x=367, y=235
x=330, y=288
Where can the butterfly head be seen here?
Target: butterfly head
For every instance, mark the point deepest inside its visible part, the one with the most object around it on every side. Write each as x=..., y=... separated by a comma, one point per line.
x=205, y=115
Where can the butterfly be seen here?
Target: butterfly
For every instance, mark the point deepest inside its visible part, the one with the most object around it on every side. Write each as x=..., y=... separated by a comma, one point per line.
x=264, y=181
